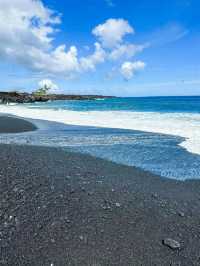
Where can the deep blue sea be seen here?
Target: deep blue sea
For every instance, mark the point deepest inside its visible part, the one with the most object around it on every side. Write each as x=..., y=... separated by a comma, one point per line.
x=190, y=104
x=158, y=134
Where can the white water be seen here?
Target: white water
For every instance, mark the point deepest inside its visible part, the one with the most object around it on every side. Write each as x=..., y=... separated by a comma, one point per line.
x=180, y=124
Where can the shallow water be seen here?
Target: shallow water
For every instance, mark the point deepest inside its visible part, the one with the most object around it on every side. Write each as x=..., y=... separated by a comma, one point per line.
x=158, y=153
x=160, y=134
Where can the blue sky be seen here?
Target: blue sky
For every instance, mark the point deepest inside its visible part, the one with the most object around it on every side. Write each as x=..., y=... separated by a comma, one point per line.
x=159, y=44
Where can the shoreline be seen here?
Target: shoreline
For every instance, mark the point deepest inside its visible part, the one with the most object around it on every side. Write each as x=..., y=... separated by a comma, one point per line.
x=65, y=208
x=178, y=125
x=66, y=136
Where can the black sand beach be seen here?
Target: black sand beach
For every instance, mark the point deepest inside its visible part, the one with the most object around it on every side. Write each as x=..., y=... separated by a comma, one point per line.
x=13, y=125
x=62, y=208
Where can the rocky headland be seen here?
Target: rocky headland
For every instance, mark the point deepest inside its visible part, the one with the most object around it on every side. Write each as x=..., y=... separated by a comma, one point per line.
x=18, y=97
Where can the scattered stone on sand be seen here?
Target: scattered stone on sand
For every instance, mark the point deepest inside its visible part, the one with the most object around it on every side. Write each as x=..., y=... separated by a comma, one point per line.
x=81, y=238
x=181, y=214
x=52, y=187
x=107, y=236
x=154, y=195
x=171, y=243
x=106, y=207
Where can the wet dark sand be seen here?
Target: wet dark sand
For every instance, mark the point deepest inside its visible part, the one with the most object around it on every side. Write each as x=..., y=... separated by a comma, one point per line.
x=13, y=125
x=62, y=208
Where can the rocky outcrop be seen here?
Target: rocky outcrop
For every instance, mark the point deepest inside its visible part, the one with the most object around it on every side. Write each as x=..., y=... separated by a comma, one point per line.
x=16, y=97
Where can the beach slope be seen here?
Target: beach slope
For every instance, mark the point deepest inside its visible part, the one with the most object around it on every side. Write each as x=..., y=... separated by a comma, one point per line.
x=62, y=208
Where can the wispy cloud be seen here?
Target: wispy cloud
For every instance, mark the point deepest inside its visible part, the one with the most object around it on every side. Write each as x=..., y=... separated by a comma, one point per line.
x=169, y=33
x=110, y=3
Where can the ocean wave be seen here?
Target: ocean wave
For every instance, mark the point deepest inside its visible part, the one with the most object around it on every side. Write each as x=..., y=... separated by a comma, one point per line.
x=185, y=125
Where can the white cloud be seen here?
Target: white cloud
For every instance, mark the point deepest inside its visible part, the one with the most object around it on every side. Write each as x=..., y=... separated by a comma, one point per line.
x=58, y=61
x=28, y=23
x=27, y=39
x=128, y=69
x=89, y=62
x=111, y=32
x=126, y=50
x=28, y=33
x=50, y=84
x=30, y=30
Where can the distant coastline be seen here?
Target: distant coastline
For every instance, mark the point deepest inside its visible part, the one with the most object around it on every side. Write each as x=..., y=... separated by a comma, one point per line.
x=23, y=97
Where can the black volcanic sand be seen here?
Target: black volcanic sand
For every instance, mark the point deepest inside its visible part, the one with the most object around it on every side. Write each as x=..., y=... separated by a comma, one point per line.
x=15, y=125
x=62, y=208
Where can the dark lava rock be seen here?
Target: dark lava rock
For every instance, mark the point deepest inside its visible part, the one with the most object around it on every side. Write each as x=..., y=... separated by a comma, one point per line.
x=18, y=97
x=181, y=214
x=171, y=243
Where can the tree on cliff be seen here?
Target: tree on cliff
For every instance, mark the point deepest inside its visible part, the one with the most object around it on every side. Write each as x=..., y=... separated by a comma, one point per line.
x=42, y=91
x=46, y=87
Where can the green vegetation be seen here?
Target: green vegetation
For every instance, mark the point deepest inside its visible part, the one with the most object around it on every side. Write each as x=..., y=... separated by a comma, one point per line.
x=43, y=91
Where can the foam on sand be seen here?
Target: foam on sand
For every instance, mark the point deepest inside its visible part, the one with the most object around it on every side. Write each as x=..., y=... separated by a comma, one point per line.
x=180, y=124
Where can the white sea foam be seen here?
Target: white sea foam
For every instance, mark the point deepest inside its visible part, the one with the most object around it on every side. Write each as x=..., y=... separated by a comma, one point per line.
x=180, y=124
